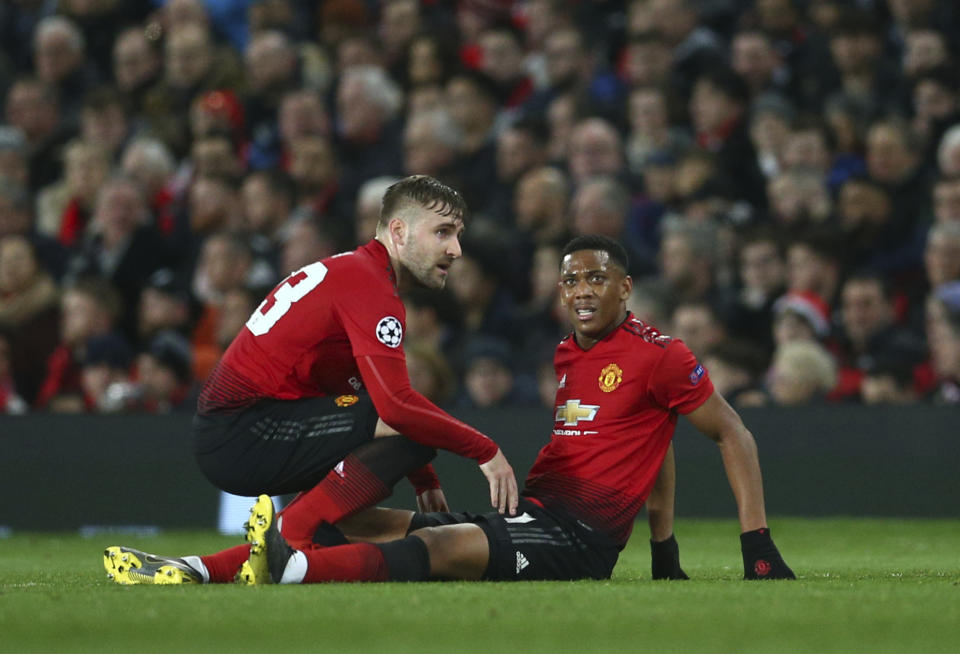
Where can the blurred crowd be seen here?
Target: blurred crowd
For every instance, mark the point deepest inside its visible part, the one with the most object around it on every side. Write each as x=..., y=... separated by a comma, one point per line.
x=785, y=175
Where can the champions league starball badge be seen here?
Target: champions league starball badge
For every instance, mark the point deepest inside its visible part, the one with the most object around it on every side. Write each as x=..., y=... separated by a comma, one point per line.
x=389, y=331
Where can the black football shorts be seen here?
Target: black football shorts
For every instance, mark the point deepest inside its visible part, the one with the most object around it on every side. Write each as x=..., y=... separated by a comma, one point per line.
x=536, y=544
x=279, y=447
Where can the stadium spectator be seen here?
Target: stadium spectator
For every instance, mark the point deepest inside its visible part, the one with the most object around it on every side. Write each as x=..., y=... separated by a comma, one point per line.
x=814, y=264
x=34, y=108
x=600, y=205
x=541, y=204
x=471, y=99
x=150, y=164
x=318, y=183
x=694, y=46
x=304, y=241
x=769, y=128
x=432, y=145
x=16, y=219
x=367, y=210
x=943, y=329
x=856, y=49
x=800, y=316
x=946, y=200
x=736, y=369
x=698, y=326
x=718, y=113
x=29, y=313
x=103, y=120
x=65, y=209
x=10, y=402
x=889, y=375
x=13, y=155
x=60, y=61
x=521, y=147
x=647, y=59
x=105, y=373
x=798, y=199
x=941, y=256
x=489, y=380
x=136, y=66
x=652, y=131
x=867, y=328
x=755, y=58
x=192, y=64
x=164, y=380
x=367, y=106
x=487, y=308
x=687, y=261
x=502, y=59
x=122, y=245
x=803, y=372
x=165, y=305
x=271, y=70
x=400, y=21
x=89, y=308
x=596, y=148
x=762, y=270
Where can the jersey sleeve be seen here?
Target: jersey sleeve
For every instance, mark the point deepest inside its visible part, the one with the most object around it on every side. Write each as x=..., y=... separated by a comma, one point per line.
x=416, y=417
x=679, y=382
x=371, y=314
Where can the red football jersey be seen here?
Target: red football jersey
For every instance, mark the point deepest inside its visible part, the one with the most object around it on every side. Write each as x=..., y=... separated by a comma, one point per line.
x=302, y=339
x=314, y=333
x=616, y=410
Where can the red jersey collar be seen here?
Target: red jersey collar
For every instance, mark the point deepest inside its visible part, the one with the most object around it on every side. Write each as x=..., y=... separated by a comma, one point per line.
x=378, y=252
x=573, y=335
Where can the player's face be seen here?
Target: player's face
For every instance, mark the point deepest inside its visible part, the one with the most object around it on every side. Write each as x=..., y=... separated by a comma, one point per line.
x=428, y=247
x=594, y=291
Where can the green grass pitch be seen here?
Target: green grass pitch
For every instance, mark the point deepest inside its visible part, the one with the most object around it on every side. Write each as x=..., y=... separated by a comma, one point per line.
x=871, y=586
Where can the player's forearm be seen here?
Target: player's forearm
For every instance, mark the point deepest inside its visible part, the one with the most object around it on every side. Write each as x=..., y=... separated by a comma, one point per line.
x=660, y=502
x=411, y=414
x=742, y=465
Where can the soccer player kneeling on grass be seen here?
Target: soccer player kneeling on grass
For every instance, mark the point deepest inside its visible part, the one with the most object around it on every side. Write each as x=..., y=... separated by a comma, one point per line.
x=621, y=385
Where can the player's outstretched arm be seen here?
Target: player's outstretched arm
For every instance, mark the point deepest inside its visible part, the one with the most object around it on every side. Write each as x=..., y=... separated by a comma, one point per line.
x=664, y=550
x=414, y=416
x=717, y=419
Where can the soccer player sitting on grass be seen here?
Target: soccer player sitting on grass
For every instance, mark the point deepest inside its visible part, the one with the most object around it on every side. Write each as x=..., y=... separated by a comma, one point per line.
x=622, y=384
x=313, y=394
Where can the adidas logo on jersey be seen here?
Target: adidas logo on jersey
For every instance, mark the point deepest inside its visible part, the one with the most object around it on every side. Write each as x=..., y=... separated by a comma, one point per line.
x=521, y=562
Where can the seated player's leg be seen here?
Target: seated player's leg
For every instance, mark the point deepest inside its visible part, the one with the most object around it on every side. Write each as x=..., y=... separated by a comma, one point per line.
x=407, y=559
x=456, y=551
x=539, y=544
x=126, y=566
x=375, y=525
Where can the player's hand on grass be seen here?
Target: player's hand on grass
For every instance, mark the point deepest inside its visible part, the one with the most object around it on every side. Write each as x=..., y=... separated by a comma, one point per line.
x=761, y=559
x=665, y=559
x=431, y=501
x=504, y=495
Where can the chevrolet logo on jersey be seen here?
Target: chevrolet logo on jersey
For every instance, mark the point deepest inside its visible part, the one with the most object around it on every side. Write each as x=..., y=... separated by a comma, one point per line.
x=572, y=412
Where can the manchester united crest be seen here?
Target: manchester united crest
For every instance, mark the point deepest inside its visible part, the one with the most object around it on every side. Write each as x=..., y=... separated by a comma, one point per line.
x=346, y=400
x=610, y=378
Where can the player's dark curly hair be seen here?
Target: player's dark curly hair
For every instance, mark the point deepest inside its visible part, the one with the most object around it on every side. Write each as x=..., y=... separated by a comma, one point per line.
x=615, y=251
x=429, y=193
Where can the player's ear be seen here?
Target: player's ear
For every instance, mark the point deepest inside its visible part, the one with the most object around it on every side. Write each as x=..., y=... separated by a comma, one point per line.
x=626, y=286
x=397, y=227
